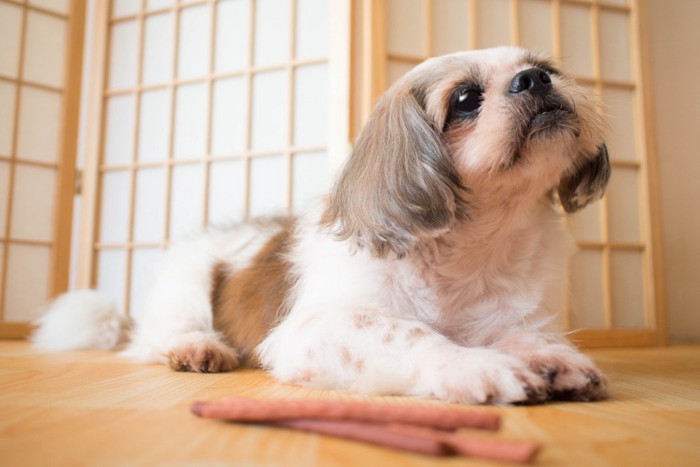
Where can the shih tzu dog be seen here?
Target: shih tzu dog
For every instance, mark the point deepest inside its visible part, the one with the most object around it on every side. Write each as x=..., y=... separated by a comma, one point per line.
x=429, y=270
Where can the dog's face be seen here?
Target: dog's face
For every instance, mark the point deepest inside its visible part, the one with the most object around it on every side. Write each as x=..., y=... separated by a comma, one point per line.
x=497, y=124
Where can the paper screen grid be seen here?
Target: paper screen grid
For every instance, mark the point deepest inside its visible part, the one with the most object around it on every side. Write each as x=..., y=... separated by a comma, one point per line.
x=214, y=112
x=33, y=35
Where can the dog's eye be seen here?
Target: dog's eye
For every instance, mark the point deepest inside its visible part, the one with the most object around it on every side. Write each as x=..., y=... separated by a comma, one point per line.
x=466, y=101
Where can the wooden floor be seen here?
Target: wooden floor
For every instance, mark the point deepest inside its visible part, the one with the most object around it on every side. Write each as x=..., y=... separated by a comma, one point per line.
x=92, y=408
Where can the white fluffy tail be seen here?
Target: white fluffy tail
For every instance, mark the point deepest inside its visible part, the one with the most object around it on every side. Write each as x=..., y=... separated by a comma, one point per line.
x=83, y=319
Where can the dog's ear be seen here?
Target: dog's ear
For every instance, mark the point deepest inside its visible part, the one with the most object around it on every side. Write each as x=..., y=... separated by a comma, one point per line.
x=399, y=185
x=586, y=183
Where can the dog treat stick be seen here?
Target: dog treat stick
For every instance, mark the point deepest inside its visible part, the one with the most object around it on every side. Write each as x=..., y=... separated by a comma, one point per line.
x=374, y=434
x=479, y=447
x=243, y=409
x=420, y=440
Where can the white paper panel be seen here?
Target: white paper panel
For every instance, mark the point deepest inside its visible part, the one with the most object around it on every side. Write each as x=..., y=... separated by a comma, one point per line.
x=39, y=125
x=195, y=24
x=4, y=196
x=158, y=49
x=154, y=125
x=125, y=7
x=268, y=186
x=191, y=121
x=60, y=6
x=45, y=49
x=313, y=19
x=123, y=55
x=586, y=224
x=111, y=275
x=229, y=116
x=627, y=289
x=493, y=19
x=587, y=307
x=619, y=105
x=623, y=204
x=615, y=45
x=395, y=70
x=311, y=105
x=33, y=203
x=451, y=26
x=149, y=218
x=226, y=192
x=10, y=31
x=187, y=202
x=7, y=116
x=154, y=4
x=232, y=35
x=270, y=108
x=27, y=289
x=576, y=40
x=405, y=31
x=119, y=134
x=310, y=178
x=144, y=262
x=114, y=212
x=271, y=31
x=617, y=2
x=536, y=26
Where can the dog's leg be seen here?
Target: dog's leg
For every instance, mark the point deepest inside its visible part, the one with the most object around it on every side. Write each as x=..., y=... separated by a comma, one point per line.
x=369, y=351
x=175, y=326
x=569, y=374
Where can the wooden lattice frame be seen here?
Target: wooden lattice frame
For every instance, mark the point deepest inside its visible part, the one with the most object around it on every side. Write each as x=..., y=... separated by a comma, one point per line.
x=65, y=165
x=370, y=29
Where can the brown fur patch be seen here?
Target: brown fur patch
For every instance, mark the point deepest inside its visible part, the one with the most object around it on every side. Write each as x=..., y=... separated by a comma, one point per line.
x=345, y=355
x=388, y=338
x=416, y=333
x=247, y=304
x=363, y=321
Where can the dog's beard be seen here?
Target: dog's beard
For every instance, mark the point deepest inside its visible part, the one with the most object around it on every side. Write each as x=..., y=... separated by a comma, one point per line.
x=539, y=121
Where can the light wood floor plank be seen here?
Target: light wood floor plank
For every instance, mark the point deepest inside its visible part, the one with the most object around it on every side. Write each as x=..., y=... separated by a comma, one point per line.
x=93, y=408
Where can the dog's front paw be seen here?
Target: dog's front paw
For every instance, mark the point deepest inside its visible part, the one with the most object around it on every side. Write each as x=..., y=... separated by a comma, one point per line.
x=482, y=376
x=204, y=356
x=569, y=374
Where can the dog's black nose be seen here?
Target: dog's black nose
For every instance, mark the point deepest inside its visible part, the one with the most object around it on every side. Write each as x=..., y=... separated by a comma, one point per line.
x=533, y=80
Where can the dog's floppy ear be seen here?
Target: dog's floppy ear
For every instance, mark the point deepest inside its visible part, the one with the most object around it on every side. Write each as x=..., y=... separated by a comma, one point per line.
x=586, y=183
x=399, y=185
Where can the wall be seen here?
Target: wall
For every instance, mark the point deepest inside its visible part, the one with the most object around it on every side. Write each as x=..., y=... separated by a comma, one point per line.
x=674, y=38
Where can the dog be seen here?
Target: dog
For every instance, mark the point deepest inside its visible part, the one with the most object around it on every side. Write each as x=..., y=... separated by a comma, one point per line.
x=429, y=270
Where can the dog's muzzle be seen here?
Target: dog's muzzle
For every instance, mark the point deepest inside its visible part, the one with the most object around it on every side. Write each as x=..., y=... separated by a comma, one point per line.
x=545, y=110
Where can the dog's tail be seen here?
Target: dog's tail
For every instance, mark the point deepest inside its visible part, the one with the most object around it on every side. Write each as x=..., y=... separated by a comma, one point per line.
x=82, y=319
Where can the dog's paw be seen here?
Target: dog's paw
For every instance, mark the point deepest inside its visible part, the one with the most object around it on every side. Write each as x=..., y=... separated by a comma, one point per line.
x=482, y=376
x=569, y=374
x=207, y=356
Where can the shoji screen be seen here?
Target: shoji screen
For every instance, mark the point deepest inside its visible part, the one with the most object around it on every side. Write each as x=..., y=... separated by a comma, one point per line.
x=211, y=112
x=615, y=290
x=39, y=89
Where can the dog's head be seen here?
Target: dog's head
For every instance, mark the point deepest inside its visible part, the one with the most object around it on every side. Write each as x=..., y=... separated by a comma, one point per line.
x=500, y=124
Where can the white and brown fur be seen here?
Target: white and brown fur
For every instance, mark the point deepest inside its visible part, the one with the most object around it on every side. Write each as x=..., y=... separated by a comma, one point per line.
x=430, y=268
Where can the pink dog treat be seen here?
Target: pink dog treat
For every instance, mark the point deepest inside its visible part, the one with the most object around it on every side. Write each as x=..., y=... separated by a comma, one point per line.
x=424, y=430
x=374, y=434
x=471, y=446
x=249, y=410
x=420, y=440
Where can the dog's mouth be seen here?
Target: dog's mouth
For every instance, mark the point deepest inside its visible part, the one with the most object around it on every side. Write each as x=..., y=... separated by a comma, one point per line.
x=542, y=121
x=551, y=118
